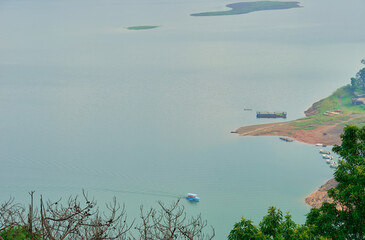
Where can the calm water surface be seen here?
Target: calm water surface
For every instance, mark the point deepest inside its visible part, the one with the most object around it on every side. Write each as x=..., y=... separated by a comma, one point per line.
x=146, y=115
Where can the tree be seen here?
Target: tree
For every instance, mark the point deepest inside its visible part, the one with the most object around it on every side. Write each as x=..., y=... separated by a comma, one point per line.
x=245, y=230
x=74, y=219
x=81, y=219
x=272, y=226
x=171, y=222
x=354, y=83
x=15, y=233
x=345, y=218
x=358, y=82
x=360, y=76
x=271, y=223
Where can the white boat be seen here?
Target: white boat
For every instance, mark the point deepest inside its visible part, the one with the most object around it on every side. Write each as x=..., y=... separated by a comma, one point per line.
x=328, y=161
x=333, y=164
x=326, y=156
x=324, y=151
x=320, y=145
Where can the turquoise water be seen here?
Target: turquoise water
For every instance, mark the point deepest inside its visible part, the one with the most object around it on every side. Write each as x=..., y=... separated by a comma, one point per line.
x=146, y=115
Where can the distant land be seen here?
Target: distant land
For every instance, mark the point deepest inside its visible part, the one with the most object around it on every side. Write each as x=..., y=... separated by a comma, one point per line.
x=324, y=121
x=247, y=7
x=141, y=27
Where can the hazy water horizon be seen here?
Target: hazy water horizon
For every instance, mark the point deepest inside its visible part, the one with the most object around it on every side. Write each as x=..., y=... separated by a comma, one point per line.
x=146, y=115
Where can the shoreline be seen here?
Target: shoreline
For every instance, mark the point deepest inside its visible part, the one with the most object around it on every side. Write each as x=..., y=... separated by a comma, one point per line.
x=329, y=135
x=320, y=196
x=323, y=124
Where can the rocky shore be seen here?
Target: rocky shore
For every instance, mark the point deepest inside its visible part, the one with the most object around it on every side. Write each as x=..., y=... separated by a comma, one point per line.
x=320, y=196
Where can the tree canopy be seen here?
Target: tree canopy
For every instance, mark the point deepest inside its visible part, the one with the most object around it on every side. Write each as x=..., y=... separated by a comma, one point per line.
x=272, y=226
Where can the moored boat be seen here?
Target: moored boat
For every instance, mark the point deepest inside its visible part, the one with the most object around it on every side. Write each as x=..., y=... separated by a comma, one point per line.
x=326, y=156
x=333, y=164
x=324, y=151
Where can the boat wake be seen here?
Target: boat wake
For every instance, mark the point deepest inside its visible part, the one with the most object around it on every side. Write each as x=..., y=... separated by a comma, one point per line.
x=140, y=192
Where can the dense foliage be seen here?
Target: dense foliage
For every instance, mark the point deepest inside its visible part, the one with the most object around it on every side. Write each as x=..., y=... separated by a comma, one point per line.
x=272, y=226
x=15, y=233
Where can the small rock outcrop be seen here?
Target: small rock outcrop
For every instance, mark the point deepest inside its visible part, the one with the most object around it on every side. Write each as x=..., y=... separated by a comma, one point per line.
x=320, y=196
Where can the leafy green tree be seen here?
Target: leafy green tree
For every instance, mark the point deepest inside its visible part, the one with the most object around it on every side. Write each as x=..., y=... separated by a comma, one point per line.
x=272, y=226
x=345, y=218
x=358, y=82
x=245, y=230
x=271, y=223
x=15, y=233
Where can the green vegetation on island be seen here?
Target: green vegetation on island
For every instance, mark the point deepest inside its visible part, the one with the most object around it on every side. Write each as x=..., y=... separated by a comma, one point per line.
x=141, y=27
x=247, y=7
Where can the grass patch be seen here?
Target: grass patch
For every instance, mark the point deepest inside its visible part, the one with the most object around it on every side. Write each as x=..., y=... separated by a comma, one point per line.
x=347, y=103
x=360, y=122
x=341, y=99
x=247, y=7
x=331, y=103
x=309, y=128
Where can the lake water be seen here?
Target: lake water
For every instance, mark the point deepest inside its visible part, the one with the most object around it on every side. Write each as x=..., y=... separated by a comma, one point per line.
x=146, y=115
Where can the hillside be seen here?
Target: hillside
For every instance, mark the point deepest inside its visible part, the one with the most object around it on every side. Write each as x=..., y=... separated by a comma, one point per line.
x=324, y=121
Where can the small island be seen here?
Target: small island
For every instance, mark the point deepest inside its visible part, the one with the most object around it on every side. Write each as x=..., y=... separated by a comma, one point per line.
x=141, y=27
x=247, y=7
x=325, y=119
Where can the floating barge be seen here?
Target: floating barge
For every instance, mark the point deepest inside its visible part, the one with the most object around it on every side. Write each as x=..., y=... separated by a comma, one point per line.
x=271, y=114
